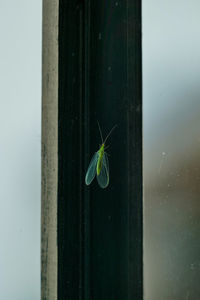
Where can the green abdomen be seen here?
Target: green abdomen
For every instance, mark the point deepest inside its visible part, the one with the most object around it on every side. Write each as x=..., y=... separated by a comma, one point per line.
x=100, y=160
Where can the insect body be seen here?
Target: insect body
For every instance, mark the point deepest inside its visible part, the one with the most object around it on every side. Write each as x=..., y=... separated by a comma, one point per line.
x=99, y=165
x=100, y=160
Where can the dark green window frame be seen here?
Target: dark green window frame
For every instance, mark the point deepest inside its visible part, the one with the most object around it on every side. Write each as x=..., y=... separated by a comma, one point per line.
x=99, y=232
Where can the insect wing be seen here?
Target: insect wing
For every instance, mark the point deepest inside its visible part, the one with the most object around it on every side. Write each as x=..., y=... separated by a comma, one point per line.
x=103, y=178
x=91, y=171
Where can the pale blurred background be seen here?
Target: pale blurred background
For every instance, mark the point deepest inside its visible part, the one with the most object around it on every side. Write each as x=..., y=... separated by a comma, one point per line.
x=171, y=120
x=171, y=89
x=20, y=138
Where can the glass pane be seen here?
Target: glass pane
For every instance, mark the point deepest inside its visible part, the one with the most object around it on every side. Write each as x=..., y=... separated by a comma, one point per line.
x=171, y=89
x=20, y=127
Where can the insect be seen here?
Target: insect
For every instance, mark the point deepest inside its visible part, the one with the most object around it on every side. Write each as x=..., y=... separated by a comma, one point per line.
x=99, y=164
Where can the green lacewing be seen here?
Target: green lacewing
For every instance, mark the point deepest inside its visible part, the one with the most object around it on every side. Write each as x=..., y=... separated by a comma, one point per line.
x=99, y=164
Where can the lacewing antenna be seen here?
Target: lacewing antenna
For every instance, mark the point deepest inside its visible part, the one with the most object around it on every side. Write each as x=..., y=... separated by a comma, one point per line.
x=100, y=132
x=109, y=134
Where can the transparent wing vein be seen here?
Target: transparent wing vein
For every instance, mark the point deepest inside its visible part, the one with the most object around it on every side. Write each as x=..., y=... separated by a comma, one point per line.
x=91, y=171
x=103, y=178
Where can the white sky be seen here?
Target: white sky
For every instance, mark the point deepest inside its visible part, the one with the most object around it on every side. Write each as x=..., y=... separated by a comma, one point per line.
x=171, y=78
x=20, y=137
